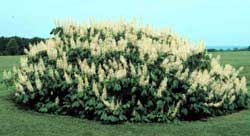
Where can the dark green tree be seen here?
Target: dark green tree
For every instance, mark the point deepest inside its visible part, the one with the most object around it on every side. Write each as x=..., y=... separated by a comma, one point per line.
x=12, y=47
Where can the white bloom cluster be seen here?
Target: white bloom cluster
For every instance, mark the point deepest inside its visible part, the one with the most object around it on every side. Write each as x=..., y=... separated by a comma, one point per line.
x=19, y=87
x=7, y=75
x=144, y=77
x=162, y=87
x=67, y=78
x=62, y=63
x=38, y=83
x=52, y=53
x=225, y=89
x=95, y=89
x=101, y=73
x=112, y=105
x=29, y=86
x=22, y=78
x=80, y=85
x=132, y=69
x=24, y=62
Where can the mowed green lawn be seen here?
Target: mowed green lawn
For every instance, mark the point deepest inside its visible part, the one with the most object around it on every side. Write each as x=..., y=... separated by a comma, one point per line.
x=19, y=122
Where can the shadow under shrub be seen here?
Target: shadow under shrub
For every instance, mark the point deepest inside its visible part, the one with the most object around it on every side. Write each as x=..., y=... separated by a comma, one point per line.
x=119, y=71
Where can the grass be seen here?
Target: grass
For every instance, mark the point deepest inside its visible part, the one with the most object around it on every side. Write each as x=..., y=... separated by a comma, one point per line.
x=19, y=122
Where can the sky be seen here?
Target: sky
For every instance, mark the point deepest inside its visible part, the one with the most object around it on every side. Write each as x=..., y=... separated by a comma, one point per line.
x=216, y=22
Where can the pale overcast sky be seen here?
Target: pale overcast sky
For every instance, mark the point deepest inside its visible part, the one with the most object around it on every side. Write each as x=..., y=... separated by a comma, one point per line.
x=217, y=22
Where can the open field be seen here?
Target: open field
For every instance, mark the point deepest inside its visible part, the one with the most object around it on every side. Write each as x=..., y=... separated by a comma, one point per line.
x=19, y=122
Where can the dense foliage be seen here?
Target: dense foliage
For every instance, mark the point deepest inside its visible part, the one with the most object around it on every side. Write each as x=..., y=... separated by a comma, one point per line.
x=16, y=45
x=117, y=72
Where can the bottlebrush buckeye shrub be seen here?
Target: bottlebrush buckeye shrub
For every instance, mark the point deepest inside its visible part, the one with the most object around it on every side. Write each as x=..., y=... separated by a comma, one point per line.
x=122, y=71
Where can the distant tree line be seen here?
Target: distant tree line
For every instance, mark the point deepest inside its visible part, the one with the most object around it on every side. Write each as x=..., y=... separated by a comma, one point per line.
x=15, y=45
x=234, y=49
